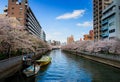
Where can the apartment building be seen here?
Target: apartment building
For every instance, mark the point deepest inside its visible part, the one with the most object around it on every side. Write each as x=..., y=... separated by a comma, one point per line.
x=89, y=36
x=70, y=39
x=98, y=7
x=23, y=13
x=111, y=21
x=43, y=35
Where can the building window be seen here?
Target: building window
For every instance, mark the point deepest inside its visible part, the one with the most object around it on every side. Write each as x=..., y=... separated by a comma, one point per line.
x=21, y=8
x=111, y=24
x=111, y=31
x=20, y=13
x=112, y=38
x=12, y=13
x=106, y=0
x=12, y=0
x=12, y=7
x=119, y=7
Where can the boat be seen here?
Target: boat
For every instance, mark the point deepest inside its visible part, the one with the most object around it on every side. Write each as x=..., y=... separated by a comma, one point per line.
x=30, y=71
x=44, y=60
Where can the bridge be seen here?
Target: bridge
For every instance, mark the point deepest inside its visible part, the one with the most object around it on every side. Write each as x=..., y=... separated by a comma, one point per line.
x=56, y=47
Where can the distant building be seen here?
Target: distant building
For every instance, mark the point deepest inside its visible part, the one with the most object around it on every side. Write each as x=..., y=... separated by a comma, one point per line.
x=111, y=21
x=49, y=42
x=98, y=7
x=80, y=39
x=21, y=10
x=89, y=36
x=55, y=43
x=43, y=35
x=64, y=43
x=91, y=33
x=70, y=39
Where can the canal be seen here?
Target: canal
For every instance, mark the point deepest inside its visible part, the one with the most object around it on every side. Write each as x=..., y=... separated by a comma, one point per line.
x=67, y=67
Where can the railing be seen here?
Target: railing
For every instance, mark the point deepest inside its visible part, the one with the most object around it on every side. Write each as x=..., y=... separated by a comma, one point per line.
x=106, y=56
x=104, y=28
x=104, y=22
x=105, y=34
x=13, y=60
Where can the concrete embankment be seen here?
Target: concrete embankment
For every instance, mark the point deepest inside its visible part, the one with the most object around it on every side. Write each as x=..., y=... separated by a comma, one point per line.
x=10, y=66
x=114, y=63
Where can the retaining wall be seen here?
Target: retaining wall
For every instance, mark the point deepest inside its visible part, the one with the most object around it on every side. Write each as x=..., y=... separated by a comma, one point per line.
x=114, y=63
x=10, y=66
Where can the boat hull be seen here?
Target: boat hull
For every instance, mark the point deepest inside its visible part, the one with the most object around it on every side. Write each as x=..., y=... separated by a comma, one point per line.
x=30, y=71
x=44, y=61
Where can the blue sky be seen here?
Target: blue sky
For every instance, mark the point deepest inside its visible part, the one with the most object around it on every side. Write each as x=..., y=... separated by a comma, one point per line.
x=62, y=18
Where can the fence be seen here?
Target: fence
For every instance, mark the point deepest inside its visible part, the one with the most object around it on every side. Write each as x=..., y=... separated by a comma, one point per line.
x=106, y=56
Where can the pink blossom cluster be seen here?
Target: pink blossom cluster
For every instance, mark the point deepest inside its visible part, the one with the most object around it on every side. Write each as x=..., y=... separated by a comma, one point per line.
x=13, y=39
x=106, y=46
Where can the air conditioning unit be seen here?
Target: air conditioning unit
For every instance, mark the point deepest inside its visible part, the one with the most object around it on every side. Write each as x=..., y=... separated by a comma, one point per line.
x=5, y=8
x=17, y=2
x=26, y=4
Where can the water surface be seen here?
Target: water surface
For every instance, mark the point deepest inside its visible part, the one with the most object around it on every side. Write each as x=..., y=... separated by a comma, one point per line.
x=66, y=67
x=73, y=68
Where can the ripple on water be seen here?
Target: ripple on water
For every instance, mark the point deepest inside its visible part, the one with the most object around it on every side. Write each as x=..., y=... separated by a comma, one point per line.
x=72, y=68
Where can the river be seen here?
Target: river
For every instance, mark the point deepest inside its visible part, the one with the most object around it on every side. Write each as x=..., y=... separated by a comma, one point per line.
x=66, y=67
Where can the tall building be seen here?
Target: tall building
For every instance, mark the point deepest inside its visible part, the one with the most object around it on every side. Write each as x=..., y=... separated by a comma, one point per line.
x=43, y=35
x=55, y=43
x=111, y=21
x=89, y=36
x=18, y=10
x=98, y=7
x=23, y=13
x=70, y=39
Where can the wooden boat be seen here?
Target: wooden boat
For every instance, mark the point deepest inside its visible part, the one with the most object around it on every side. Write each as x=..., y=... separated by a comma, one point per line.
x=44, y=60
x=31, y=71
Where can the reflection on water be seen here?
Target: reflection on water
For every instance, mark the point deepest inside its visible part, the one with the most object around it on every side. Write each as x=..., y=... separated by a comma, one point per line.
x=66, y=67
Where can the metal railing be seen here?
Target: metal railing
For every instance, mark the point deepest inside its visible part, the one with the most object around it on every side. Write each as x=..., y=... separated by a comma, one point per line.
x=105, y=56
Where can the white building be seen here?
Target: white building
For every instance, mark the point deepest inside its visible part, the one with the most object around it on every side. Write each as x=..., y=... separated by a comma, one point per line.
x=111, y=21
x=43, y=35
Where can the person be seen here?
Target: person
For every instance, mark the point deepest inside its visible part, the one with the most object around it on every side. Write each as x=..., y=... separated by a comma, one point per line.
x=24, y=58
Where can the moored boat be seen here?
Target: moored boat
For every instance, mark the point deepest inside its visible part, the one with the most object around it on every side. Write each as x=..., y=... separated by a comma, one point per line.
x=44, y=60
x=31, y=70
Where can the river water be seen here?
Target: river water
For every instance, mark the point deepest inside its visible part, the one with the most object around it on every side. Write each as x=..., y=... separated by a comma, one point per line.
x=66, y=67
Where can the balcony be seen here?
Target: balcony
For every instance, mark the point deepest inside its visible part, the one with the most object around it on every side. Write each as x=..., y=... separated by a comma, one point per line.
x=108, y=13
x=104, y=22
x=104, y=28
x=106, y=34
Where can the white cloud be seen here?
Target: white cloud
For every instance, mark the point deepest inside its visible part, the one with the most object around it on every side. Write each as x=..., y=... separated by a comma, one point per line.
x=85, y=24
x=74, y=14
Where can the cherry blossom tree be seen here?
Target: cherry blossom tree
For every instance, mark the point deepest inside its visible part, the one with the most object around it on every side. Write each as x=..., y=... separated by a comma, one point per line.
x=14, y=39
x=101, y=46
